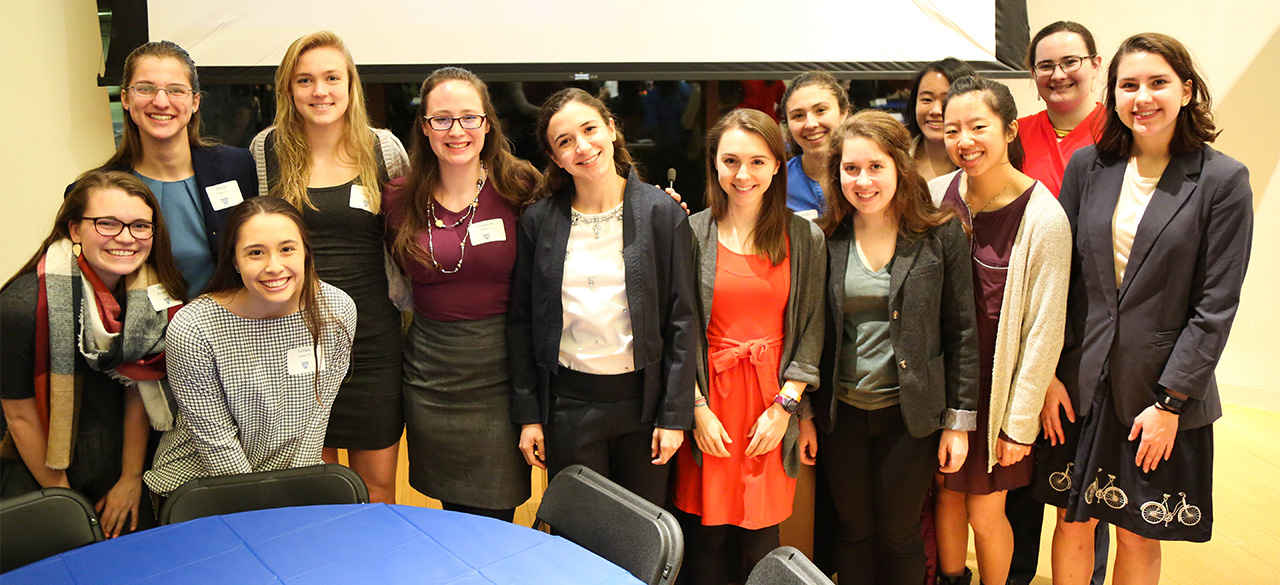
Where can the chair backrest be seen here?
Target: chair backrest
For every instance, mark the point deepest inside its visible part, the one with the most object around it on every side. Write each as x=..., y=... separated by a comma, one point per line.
x=786, y=566
x=604, y=518
x=44, y=523
x=329, y=483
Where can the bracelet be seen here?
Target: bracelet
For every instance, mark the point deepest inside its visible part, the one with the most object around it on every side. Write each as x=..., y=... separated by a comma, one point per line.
x=1171, y=403
x=790, y=405
x=699, y=401
x=1167, y=408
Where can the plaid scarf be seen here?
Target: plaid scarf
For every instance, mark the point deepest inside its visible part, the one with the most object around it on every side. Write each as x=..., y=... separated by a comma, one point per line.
x=77, y=314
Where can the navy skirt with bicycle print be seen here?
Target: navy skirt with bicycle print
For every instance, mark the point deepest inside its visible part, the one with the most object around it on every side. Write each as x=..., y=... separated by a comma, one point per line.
x=1172, y=502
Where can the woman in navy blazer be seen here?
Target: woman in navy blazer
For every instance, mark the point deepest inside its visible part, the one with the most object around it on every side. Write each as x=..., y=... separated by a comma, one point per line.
x=900, y=360
x=1162, y=226
x=602, y=326
x=161, y=143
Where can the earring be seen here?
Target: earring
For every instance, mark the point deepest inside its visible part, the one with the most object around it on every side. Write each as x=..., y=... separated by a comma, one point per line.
x=76, y=249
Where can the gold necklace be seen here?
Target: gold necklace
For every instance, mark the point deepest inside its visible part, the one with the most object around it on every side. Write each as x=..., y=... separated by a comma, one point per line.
x=972, y=213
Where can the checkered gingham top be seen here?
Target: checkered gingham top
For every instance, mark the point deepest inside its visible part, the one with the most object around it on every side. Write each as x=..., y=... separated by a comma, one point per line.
x=239, y=408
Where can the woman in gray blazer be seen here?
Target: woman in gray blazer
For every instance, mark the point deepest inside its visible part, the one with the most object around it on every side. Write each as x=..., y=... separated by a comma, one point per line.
x=900, y=360
x=1162, y=226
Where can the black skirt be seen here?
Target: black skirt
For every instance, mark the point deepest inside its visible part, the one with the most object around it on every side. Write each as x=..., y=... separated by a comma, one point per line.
x=1172, y=502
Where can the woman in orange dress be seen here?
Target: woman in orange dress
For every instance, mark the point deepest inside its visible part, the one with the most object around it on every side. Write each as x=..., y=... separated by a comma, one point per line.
x=762, y=271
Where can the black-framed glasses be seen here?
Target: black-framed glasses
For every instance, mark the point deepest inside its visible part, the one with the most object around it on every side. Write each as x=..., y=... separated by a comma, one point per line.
x=445, y=123
x=149, y=90
x=111, y=227
x=1067, y=64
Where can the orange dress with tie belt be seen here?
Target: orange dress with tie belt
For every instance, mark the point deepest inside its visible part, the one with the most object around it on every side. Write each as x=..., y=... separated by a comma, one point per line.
x=744, y=336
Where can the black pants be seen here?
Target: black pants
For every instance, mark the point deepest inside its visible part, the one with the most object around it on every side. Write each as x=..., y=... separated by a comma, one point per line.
x=878, y=475
x=606, y=436
x=718, y=555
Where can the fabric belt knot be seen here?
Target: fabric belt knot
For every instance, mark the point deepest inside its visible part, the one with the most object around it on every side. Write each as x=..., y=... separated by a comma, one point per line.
x=727, y=353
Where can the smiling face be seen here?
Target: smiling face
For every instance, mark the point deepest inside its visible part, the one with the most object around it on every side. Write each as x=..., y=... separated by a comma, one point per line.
x=272, y=264
x=582, y=142
x=745, y=167
x=976, y=139
x=160, y=117
x=112, y=256
x=868, y=177
x=1064, y=92
x=933, y=89
x=812, y=112
x=457, y=145
x=320, y=86
x=1149, y=97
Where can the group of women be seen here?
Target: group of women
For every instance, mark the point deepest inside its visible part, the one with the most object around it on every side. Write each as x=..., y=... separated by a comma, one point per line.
x=921, y=333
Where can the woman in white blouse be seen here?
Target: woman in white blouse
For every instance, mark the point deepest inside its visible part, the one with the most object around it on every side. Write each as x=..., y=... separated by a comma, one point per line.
x=602, y=325
x=256, y=361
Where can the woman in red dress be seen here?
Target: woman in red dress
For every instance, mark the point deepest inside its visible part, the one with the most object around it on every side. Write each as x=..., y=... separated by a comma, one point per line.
x=761, y=275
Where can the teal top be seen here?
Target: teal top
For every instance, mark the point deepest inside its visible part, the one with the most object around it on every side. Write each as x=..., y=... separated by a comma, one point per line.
x=868, y=379
x=184, y=219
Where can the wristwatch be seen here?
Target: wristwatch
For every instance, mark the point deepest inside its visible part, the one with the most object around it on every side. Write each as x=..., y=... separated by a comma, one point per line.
x=791, y=405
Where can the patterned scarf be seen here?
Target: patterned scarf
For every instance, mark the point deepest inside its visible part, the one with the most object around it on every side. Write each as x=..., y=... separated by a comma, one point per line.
x=77, y=314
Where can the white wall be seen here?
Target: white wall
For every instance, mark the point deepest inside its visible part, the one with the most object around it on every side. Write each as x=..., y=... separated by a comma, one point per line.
x=56, y=121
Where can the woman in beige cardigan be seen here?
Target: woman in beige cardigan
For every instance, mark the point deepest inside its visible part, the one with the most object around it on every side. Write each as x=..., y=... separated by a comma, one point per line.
x=1021, y=247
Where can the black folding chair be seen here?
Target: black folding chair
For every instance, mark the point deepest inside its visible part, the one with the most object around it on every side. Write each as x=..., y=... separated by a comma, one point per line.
x=604, y=518
x=329, y=483
x=786, y=566
x=44, y=523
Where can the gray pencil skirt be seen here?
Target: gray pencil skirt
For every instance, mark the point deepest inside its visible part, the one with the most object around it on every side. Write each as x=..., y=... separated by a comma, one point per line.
x=463, y=448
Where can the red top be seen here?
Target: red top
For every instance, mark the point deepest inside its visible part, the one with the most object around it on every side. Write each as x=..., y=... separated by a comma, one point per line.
x=482, y=286
x=763, y=96
x=1046, y=155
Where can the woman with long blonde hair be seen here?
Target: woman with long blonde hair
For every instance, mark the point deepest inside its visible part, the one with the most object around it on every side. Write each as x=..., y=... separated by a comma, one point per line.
x=322, y=157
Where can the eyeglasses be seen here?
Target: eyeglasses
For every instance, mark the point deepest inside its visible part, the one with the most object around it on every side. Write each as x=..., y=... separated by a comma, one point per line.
x=1067, y=64
x=149, y=90
x=444, y=123
x=111, y=227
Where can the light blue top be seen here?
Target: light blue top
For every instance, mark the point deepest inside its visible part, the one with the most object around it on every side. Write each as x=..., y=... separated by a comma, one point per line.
x=185, y=220
x=803, y=193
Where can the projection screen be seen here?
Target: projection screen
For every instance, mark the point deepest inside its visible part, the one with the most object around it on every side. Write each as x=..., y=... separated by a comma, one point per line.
x=242, y=41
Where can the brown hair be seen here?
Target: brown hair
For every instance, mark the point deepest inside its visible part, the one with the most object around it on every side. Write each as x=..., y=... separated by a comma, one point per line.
x=514, y=178
x=911, y=202
x=1194, y=127
x=1054, y=28
x=555, y=178
x=821, y=79
x=292, y=149
x=1000, y=101
x=769, y=236
x=130, y=149
x=77, y=200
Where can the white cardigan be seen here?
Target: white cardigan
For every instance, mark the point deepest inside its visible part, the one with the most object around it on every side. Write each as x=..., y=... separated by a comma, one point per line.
x=1032, y=316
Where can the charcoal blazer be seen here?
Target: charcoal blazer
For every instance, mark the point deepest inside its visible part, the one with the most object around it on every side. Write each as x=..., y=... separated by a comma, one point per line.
x=657, y=250
x=214, y=165
x=932, y=327
x=1166, y=325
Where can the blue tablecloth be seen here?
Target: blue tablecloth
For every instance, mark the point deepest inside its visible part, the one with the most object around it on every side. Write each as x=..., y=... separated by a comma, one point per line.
x=342, y=545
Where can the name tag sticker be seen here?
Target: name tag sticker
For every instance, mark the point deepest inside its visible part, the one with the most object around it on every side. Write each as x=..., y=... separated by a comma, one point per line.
x=357, y=200
x=302, y=360
x=489, y=230
x=160, y=299
x=809, y=214
x=224, y=195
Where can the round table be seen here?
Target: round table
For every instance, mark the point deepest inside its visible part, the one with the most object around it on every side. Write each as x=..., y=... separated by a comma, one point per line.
x=340, y=545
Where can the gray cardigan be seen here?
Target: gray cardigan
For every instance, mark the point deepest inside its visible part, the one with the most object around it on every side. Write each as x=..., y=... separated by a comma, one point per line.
x=802, y=324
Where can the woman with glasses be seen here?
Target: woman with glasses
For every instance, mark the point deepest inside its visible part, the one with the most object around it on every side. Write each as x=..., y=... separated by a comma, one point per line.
x=196, y=181
x=1064, y=61
x=323, y=158
x=84, y=325
x=451, y=225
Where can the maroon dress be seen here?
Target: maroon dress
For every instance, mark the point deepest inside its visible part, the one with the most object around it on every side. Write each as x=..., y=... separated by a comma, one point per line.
x=992, y=245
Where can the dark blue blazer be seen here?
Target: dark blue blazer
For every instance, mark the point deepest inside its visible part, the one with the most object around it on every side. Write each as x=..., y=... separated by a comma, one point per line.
x=1166, y=325
x=657, y=250
x=214, y=165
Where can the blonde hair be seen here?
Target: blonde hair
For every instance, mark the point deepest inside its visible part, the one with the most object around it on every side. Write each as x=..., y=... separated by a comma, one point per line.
x=293, y=151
